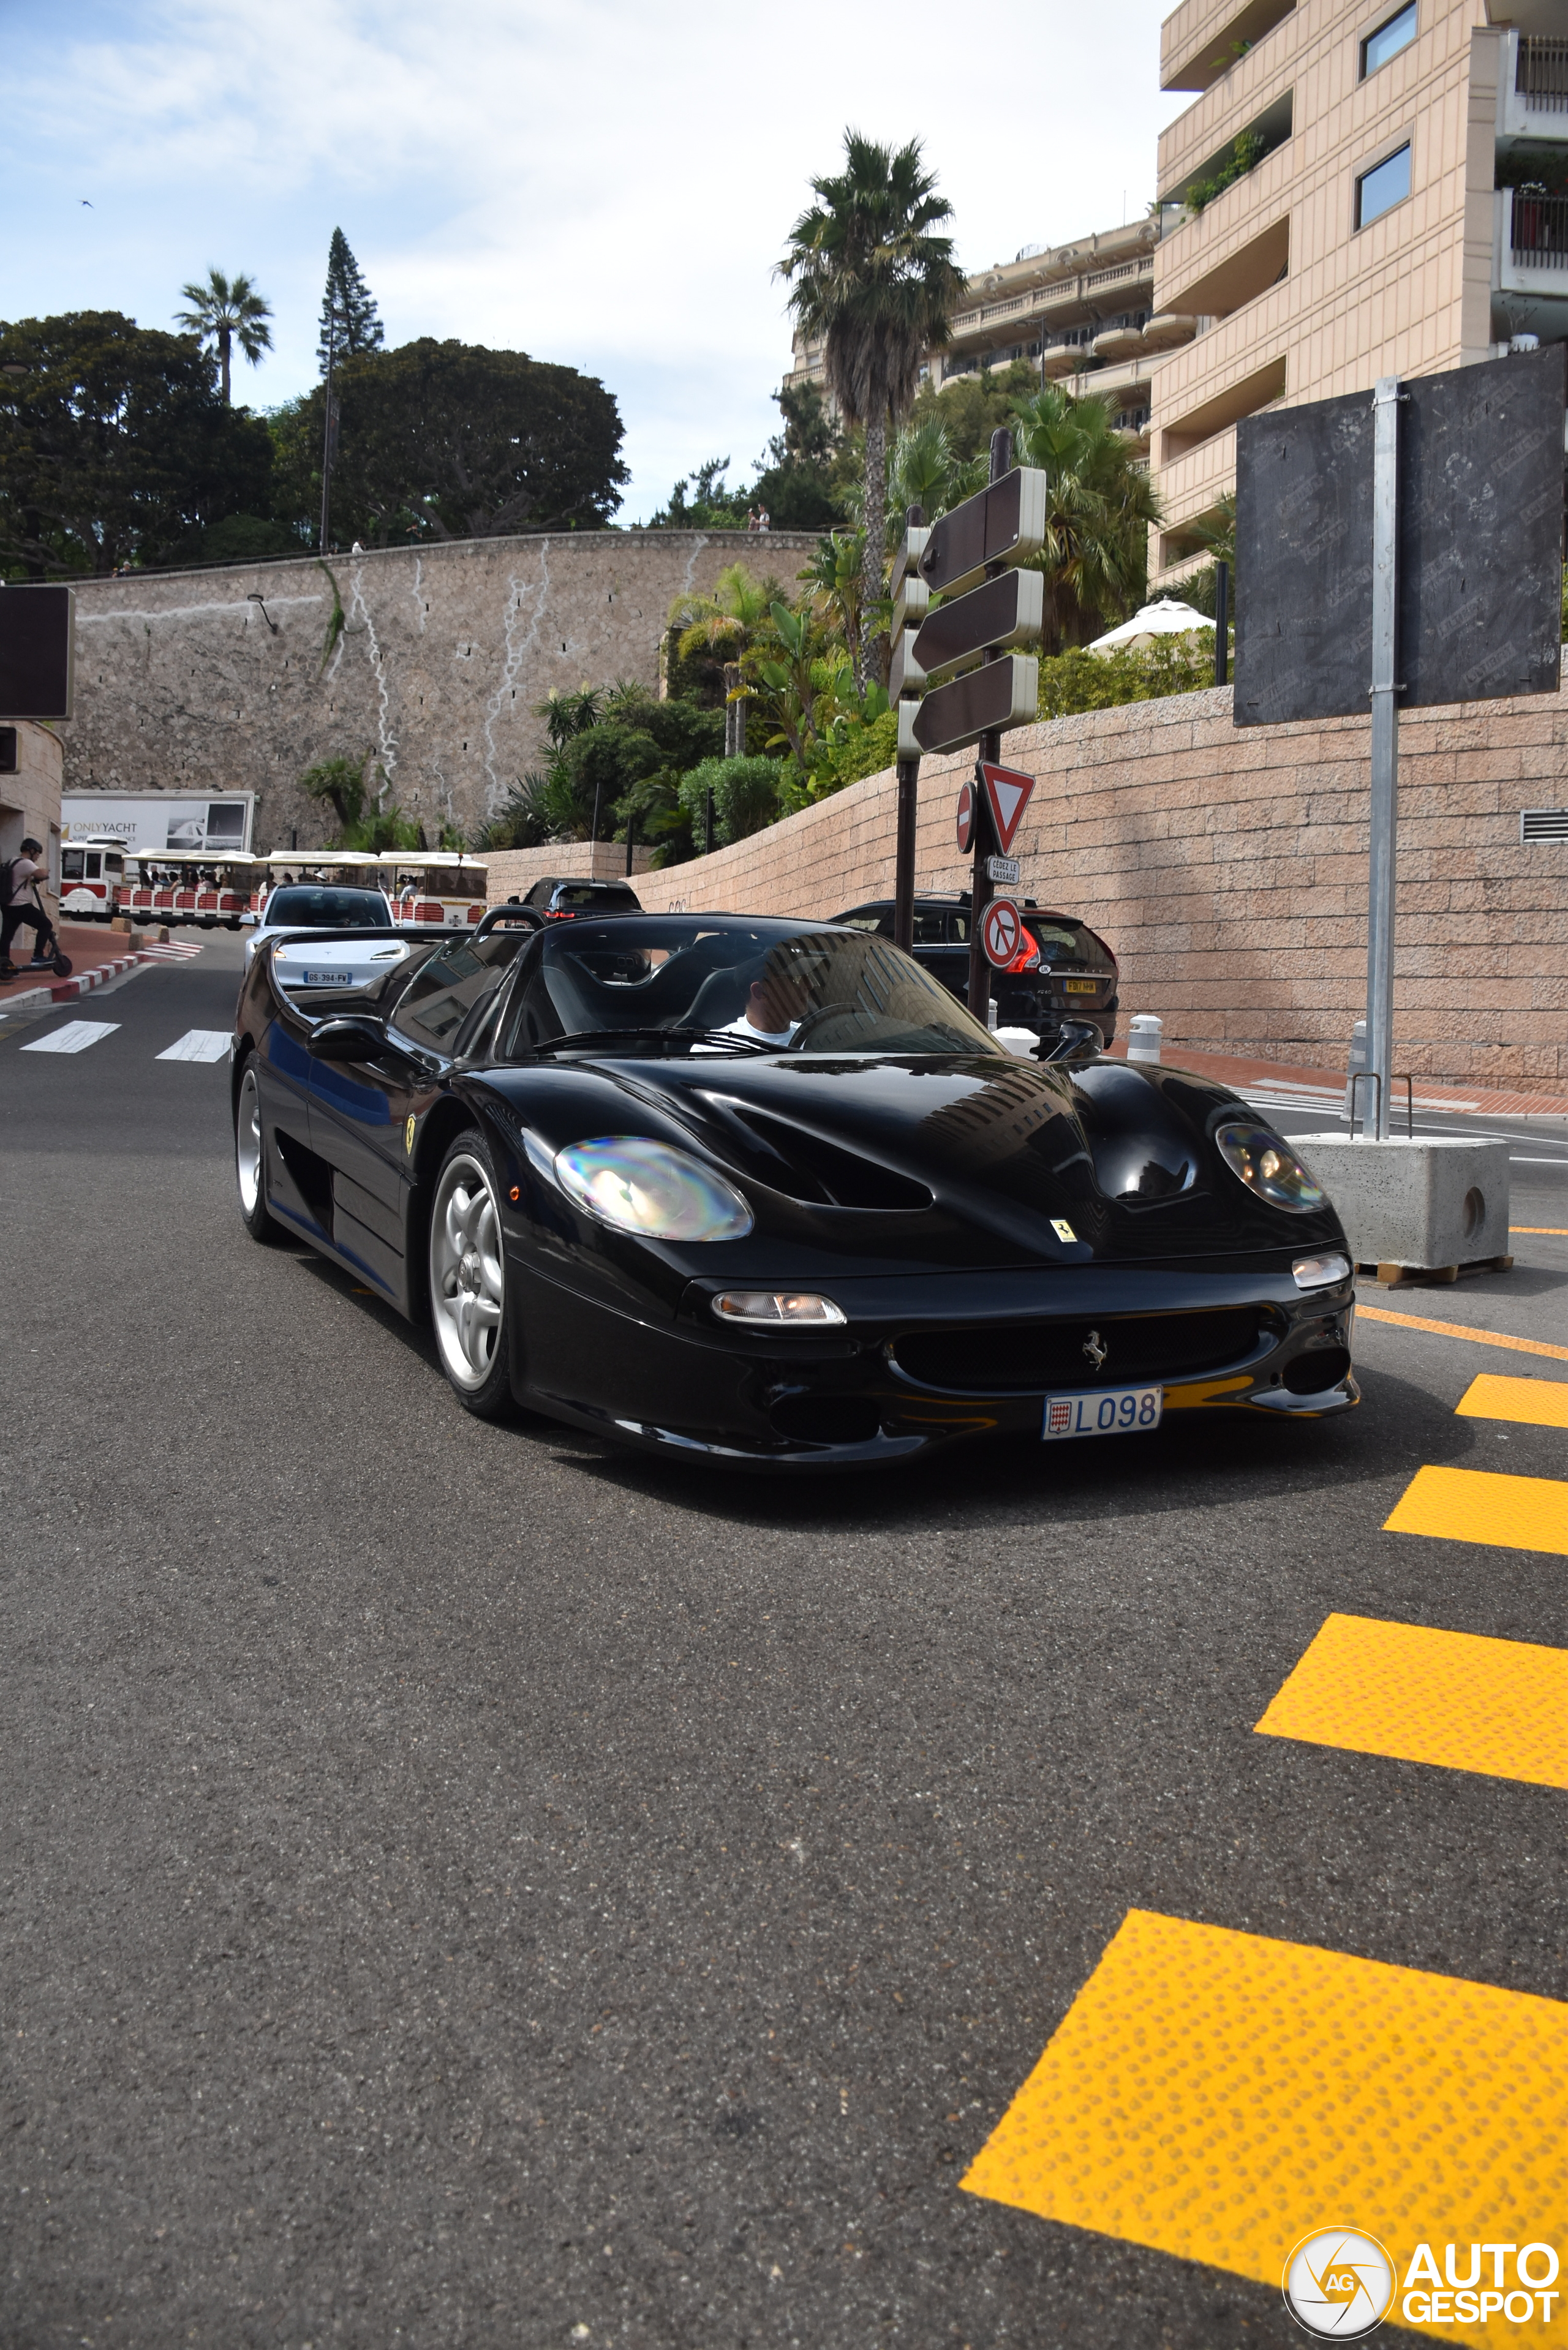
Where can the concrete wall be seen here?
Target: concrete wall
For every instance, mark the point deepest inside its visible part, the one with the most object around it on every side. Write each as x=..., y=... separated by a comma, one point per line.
x=30, y=799
x=242, y=679
x=1228, y=869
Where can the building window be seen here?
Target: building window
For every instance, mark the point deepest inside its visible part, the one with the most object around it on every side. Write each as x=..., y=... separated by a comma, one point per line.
x=1388, y=40
x=1387, y=184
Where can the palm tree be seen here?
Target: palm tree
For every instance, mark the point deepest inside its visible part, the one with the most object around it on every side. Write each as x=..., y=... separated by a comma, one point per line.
x=224, y=312
x=1100, y=509
x=873, y=284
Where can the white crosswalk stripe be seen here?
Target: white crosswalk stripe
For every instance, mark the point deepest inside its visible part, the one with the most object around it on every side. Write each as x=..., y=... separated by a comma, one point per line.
x=74, y=1038
x=177, y=951
x=199, y=1045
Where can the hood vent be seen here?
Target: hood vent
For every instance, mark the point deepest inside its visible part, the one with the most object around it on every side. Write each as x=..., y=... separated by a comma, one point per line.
x=803, y=1166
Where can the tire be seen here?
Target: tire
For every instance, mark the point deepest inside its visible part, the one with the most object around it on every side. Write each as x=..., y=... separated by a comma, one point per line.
x=250, y=1160
x=468, y=1291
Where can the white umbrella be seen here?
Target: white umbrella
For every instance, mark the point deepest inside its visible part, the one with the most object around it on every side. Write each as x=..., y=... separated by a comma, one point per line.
x=1166, y=617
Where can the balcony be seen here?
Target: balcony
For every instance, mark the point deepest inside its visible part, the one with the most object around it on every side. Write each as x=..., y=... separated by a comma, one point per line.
x=1529, y=262
x=1199, y=43
x=1533, y=96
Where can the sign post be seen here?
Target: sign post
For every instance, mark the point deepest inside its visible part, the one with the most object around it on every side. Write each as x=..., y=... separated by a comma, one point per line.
x=1384, y=809
x=910, y=599
x=985, y=843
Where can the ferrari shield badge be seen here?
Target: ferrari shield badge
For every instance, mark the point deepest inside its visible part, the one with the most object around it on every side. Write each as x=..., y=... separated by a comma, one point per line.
x=409, y=1134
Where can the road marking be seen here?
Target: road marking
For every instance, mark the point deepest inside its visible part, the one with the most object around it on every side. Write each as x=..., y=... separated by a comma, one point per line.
x=1479, y=1505
x=1215, y=2095
x=1455, y=1699
x=1546, y=1231
x=1516, y=1159
x=199, y=1045
x=172, y=952
x=1541, y=1403
x=74, y=1038
x=1461, y=1330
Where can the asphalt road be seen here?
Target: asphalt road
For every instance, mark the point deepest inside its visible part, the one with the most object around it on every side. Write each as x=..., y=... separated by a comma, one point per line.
x=467, y=1886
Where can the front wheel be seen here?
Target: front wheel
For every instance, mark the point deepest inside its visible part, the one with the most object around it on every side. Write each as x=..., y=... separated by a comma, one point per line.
x=249, y=1148
x=468, y=1280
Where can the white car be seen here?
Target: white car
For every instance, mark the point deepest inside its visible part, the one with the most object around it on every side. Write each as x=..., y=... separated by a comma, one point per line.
x=338, y=961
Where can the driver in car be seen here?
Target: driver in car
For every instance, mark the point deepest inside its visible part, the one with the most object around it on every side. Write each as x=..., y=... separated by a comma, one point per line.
x=777, y=1004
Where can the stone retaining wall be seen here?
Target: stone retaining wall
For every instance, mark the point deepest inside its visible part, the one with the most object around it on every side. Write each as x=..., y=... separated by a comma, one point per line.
x=1228, y=869
x=433, y=659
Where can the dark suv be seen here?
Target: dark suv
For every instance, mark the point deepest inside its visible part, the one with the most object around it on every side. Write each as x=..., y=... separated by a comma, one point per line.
x=1066, y=971
x=560, y=902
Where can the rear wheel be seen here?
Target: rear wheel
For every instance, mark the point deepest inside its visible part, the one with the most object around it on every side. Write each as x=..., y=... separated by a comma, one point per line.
x=249, y=1159
x=468, y=1280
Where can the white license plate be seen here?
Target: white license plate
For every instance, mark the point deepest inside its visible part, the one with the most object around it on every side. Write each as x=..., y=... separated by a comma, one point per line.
x=325, y=979
x=1102, y=1412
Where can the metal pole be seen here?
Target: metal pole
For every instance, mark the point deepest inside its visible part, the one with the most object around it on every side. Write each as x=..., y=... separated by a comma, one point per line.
x=1221, y=623
x=630, y=830
x=708, y=840
x=1385, y=800
x=990, y=750
x=909, y=776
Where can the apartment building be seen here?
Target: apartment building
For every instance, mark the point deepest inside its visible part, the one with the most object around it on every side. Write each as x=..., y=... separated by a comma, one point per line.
x=1081, y=309
x=1355, y=192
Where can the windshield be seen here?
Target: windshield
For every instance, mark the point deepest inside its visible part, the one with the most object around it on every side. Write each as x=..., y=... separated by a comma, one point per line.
x=335, y=909
x=729, y=982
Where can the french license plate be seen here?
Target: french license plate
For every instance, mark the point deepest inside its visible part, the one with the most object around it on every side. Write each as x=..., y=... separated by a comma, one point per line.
x=1081, y=987
x=1102, y=1412
x=325, y=979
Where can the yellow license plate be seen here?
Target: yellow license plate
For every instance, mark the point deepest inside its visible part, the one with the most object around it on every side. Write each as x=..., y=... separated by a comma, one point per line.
x=1081, y=987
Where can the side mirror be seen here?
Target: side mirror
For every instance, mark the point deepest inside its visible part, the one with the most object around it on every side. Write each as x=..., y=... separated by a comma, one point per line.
x=346, y=1040
x=1078, y=1041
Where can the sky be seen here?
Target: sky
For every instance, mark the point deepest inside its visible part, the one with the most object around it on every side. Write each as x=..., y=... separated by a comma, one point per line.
x=607, y=183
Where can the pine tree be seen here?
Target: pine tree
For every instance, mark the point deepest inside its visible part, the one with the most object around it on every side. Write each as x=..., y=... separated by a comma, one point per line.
x=349, y=319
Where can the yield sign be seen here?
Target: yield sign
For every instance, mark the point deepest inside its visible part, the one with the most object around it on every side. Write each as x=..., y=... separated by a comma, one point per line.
x=1001, y=933
x=1007, y=789
x=965, y=818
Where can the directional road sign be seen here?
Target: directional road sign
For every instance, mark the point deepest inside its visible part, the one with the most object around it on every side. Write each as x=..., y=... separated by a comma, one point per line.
x=905, y=674
x=912, y=602
x=1003, y=523
x=1001, y=933
x=1002, y=693
x=912, y=547
x=965, y=818
x=1006, y=612
x=1007, y=790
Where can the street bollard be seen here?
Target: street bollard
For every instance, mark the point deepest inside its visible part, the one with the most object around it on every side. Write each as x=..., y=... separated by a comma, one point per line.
x=1143, y=1037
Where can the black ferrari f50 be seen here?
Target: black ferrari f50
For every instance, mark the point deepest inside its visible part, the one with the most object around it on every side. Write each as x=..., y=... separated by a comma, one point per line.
x=760, y=1191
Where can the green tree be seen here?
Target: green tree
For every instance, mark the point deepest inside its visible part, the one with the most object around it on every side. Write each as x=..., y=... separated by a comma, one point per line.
x=795, y=473
x=350, y=322
x=362, y=822
x=872, y=282
x=745, y=798
x=224, y=312
x=443, y=441
x=835, y=581
x=970, y=407
x=709, y=507
x=116, y=446
x=1100, y=509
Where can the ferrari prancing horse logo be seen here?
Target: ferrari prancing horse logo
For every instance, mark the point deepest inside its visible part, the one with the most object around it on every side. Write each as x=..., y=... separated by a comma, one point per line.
x=1096, y=1351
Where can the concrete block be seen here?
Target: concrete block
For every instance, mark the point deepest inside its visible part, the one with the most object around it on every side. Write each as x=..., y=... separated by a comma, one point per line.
x=1426, y=1204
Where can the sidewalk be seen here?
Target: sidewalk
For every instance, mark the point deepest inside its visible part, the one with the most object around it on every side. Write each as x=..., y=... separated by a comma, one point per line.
x=97, y=954
x=1316, y=1085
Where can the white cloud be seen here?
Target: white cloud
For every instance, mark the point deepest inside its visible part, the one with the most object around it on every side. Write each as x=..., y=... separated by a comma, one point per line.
x=602, y=183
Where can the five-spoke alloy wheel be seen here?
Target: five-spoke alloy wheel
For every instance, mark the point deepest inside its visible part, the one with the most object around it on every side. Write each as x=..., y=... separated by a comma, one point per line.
x=468, y=1280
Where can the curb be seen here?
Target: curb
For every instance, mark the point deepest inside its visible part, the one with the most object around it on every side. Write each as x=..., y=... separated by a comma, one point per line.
x=65, y=991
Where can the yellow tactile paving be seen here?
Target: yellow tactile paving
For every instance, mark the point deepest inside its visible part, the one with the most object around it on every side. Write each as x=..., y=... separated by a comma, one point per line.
x=1500, y=1706
x=1219, y=2096
x=1480, y=1506
x=1543, y=1403
x=1462, y=1330
x=1547, y=1232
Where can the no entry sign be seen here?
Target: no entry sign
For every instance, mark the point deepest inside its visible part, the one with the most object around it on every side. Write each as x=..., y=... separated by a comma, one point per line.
x=965, y=818
x=1001, y=933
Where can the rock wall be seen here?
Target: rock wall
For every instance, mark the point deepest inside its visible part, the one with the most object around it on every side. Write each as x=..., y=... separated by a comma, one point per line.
x=1228, y=869
x=434, y=659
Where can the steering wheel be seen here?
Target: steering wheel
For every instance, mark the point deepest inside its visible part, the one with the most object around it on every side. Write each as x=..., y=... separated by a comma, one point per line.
x=814, y=1021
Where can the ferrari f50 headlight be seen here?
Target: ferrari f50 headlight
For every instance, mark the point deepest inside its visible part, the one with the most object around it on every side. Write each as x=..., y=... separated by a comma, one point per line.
x=649, y=1188
x=1269, y=1168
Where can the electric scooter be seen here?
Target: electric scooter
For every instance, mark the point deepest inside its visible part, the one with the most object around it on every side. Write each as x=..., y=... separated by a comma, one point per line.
x=46, y=955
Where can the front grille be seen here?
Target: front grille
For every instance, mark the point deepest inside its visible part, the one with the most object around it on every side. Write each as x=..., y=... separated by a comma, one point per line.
x=1037, y=1355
